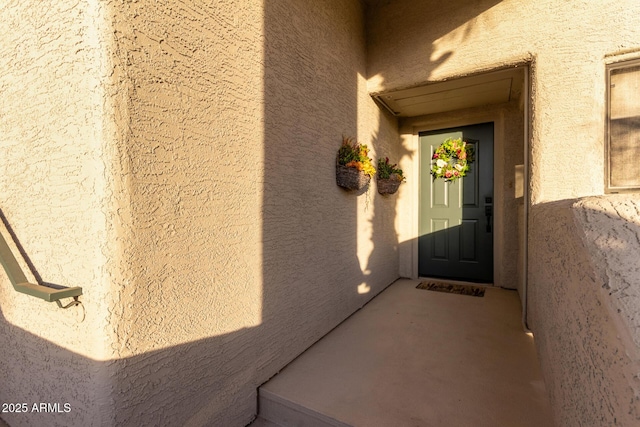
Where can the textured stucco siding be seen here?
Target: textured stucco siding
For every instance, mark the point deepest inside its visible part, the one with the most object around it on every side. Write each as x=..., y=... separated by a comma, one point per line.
x=583, y=308
x=586, y=337
x=415, y=42
x=177, y=160
x=238, y=249
x=611, y=233
x=52, y=192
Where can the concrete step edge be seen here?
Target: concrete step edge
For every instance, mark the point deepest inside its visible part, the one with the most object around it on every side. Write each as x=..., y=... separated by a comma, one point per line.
x=286, y=413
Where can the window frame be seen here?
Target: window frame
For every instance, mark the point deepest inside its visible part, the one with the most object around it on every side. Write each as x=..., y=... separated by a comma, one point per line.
x=610, y=68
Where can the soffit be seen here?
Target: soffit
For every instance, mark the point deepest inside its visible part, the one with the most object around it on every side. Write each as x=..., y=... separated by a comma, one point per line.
x=475, y=91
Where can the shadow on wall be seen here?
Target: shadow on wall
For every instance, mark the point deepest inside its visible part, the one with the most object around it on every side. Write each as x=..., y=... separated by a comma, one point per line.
x=378, y=221
x=326, y=251
x=23, y=254
x=177, y=400
x=311, y=272
x=610, y=230
x=579, y=303
x=396, y=29
x=89, y=387
x=311, y=269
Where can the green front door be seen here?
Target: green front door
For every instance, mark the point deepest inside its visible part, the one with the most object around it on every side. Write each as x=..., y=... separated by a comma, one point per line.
x=456, y=218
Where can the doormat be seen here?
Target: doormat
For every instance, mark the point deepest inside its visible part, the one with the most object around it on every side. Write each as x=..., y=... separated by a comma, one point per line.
x=431, y=285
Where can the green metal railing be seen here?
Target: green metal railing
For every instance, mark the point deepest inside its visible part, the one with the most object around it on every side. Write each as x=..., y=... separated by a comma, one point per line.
x=21, y=284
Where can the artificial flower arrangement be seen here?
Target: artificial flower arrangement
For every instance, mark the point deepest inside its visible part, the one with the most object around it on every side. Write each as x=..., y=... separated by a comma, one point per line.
x=451, y=159
x=389, y=171
x=354, y=155
x=353, y=165
x=389, y=177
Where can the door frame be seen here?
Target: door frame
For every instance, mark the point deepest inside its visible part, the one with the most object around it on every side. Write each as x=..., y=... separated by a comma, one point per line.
x=482, y=269
x=409, y=253
x=407, y=208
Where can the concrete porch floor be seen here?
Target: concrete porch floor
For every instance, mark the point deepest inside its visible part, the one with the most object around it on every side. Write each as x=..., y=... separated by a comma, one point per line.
x=414, y=357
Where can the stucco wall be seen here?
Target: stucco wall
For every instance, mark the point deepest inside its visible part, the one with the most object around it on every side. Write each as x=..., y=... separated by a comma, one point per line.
x=177, y=160
x=52, y=192
x=413, y=43
x=239, y=249
x=588, y=369
x=583, y=264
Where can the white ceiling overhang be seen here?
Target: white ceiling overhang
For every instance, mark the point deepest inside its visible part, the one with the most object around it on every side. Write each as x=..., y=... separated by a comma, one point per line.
x=475, y=91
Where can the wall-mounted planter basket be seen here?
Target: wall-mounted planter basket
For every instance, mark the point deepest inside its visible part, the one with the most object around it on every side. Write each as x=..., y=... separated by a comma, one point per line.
x=351, y=178
x=390, y=185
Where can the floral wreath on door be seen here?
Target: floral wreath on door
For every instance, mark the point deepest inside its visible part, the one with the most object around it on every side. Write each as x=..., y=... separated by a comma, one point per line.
x=451, y=159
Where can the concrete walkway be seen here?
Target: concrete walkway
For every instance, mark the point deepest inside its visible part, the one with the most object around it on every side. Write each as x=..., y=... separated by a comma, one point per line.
x=413, y=357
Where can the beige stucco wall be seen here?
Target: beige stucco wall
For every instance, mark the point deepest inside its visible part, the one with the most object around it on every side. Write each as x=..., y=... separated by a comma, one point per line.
x=245, y=249
x=53, y=179
x=178, y=162
x=239, y=249
x=566, y=46
x=583, y=308
x=413, y=42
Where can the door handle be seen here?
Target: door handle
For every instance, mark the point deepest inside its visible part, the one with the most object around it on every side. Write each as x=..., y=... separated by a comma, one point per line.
x=488, y=211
